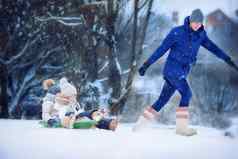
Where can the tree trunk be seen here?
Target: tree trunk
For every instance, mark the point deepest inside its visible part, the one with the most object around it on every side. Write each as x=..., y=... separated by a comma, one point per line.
x=114, y=73
x=3, y=95
x=117, y=107
x=89, y=58
x=92, y=64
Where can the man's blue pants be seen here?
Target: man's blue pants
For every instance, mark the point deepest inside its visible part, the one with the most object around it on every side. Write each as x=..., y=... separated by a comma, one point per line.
x=169, y=88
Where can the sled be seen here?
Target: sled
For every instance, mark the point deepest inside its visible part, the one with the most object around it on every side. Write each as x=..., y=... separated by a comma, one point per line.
x=80, y=124
x=84, y=124
x=46, y=125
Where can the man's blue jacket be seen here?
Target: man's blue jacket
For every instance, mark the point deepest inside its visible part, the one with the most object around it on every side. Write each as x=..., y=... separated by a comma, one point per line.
x=184, y=44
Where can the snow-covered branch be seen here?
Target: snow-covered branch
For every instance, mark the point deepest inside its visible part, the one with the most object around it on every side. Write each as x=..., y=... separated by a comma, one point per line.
x=20, y=54
x=29, y=76
x=50, y=67
x=104, y=66
x=2, y=61
x=68, y=21
x=40, y=57
x=118, y=66
x=49, y=52
x=23, y=51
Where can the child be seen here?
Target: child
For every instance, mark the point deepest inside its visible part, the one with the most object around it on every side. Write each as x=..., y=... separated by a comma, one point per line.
x=66, y=103
x=108, y=124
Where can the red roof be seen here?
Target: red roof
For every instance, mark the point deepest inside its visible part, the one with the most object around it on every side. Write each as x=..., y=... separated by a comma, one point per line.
x=218, y=17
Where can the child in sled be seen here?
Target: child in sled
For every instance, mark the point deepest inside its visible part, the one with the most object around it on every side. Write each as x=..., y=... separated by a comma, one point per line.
x=60, y=99
x=63, y=109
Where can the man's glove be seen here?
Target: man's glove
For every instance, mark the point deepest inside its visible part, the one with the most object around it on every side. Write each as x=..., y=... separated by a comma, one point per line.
x=232, y=64
x=143, y=68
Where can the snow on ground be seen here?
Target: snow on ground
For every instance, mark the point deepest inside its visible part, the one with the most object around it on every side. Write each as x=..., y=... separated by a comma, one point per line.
x=22, y=139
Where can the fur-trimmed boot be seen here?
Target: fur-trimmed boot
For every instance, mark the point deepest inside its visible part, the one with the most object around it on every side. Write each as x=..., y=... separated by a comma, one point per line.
x=182, y=121
x=68, y=122
x=46, y=110
x=149, y=115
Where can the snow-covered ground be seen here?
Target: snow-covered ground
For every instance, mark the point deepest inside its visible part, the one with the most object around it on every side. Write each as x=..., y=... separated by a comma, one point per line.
x=21, y=139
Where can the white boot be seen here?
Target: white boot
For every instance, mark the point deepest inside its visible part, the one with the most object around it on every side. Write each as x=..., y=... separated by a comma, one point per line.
x=68, y=122
x=46, y=110
x=182, y=120
x=148, y=116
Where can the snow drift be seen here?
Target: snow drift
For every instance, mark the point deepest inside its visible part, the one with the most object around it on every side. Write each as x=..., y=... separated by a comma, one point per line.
x=21, y=139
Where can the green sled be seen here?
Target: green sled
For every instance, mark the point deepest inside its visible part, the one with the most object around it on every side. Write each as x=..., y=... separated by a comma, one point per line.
x=45, y=125
x=84, y=124
x=80, y=124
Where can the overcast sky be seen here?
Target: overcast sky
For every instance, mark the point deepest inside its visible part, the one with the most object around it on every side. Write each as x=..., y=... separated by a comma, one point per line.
x=186, y=6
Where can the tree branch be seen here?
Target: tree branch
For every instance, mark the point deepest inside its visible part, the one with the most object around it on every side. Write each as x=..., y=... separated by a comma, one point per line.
x=2, y=61
x=23, y=51
x=28, y=77
x=68, y=21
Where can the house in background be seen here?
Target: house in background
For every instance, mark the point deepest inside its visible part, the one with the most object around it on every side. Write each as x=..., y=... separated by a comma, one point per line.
x=223, y=30
x=219, y=21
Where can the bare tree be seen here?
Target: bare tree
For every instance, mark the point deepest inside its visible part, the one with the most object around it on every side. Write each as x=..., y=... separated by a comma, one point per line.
x=135, y=55
x=114, y=66
x=16, y=81
x=26, y=53
x=75, y=34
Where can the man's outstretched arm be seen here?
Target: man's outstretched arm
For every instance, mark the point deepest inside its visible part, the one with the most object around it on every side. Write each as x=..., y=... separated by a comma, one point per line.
x=160, y=51
x=213, y=48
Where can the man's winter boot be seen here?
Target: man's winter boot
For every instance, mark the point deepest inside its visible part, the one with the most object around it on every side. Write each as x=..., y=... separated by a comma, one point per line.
x=148, y=115
x=182, y=120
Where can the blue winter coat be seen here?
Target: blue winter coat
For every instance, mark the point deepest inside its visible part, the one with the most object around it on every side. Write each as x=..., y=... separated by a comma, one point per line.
x=184, y=44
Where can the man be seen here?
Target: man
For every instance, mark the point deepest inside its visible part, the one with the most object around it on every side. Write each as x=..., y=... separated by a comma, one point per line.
x=184, y=42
